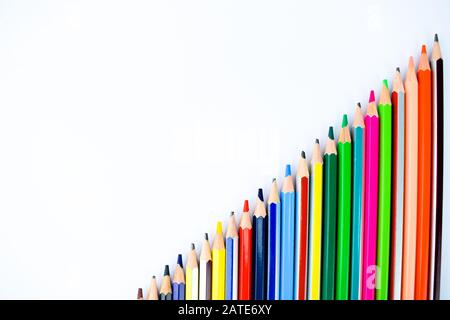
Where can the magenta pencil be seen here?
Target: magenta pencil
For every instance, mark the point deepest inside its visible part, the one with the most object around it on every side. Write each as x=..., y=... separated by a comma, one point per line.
x=369, y=268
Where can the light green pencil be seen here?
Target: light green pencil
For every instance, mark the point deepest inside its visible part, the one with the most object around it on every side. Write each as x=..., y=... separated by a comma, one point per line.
x=384, y=193
x=344, y=211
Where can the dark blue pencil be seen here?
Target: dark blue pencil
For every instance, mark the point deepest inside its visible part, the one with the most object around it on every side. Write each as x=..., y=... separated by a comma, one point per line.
x=260, y=247
x=179, y=284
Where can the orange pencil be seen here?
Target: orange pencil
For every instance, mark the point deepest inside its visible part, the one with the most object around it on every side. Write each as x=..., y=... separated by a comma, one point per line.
x=424, y=177
x=410, y=195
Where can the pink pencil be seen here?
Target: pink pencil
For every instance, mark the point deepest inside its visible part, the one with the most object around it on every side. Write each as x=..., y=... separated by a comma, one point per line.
x=369, y=267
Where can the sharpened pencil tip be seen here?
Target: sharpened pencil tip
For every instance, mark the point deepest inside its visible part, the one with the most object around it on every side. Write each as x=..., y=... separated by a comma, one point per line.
x=206, y=236
x=436, y=38
x=153, y=277
x=330, y=133
x=344, y=121
x=140, y=294
x=274, y=180
x=246, y=207
x=424, y=49
x=397, y=69
x=180, y=260
x=372, y=96
x=385, y=83
x=260, y=194
x=317, y=141
x=192, y=246
x=303, y=154
x=359, y=105
x=166, y=270
x=231, y=213
x=287, y=173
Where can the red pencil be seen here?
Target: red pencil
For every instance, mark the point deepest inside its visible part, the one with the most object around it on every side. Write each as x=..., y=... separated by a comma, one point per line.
x=245, y=255
x=302, y=227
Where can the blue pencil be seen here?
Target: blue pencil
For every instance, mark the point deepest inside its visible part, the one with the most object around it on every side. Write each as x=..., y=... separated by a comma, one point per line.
x=287, y=277
x=260, y=248
x=357, y=205
x=232, y=254
x=274, y=243
x=179, y=283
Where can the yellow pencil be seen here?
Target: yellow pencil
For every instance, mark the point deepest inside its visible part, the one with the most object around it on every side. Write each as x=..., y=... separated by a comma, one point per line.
x=315, y=236
x=218, y=265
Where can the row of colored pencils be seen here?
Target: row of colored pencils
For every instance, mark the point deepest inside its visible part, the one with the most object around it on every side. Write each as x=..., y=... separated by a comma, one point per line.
x=364, y=221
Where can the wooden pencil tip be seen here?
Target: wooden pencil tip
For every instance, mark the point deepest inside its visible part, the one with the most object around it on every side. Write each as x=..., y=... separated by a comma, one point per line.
x=330, y=133
x=385, y=83
x=166, y=270
x=287, y=173
x=219, y=228
x=140, y=294
x=206, y=236
x=436, y=38
x=246, y=206
x=231, y=213
x=317, y=141
x=344, y=121
x=260, y=194
x=411, y=63
x=274, y=180
x=180, y=260
x=424, y=49
x=359, y=105
x=397, y=69
x=303, y=155
x=153, y=277
x=372, y=96
x=192, y=246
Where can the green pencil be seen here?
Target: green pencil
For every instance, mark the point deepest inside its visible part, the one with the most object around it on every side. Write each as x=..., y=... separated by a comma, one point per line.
x=329, y=218
x=344, y=211
x=384, y=193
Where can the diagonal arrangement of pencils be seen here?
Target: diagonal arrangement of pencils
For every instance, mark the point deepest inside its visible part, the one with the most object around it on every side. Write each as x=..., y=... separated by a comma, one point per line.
x=363, y=221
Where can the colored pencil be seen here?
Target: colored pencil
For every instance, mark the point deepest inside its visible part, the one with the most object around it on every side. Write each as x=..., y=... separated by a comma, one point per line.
x=398, y=168
x=140, y=295
x=357, y=204
x=315, y=224
x=179, y=284
x=204, y=292
x=274, y=243
x=259, y=248
x=232, y=256
x=344, y=211
x=245, y=254
x=153, y=290
x=218, y=265
x=287, y=237
x=438, y=172
x=165, y=292
x=301, y=228
x=384, y=192
x=410, y=198
x=192, y=275
x=329, y=218
x=424, y=176
x=369, y=268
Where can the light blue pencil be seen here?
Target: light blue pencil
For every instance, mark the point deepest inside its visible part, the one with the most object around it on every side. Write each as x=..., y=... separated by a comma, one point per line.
x=232, y=254
x=357, y=205
x=287, y=237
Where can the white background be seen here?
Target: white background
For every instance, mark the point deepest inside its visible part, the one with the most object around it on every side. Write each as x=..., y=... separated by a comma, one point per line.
x=128, y=128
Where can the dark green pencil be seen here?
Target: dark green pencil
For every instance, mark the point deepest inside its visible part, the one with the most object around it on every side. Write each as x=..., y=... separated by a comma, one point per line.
x=329, y=218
